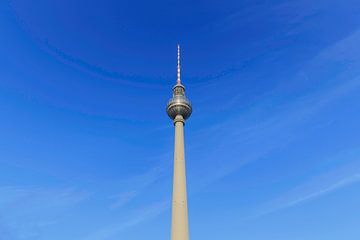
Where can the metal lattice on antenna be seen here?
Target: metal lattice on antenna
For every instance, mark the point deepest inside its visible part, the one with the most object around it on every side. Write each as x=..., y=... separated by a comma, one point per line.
x=178, y=66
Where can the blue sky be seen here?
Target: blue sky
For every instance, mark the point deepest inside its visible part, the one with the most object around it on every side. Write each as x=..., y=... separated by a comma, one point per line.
x=272, y=147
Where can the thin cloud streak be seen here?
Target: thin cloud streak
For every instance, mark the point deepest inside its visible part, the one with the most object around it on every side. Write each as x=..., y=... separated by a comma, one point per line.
x=141, y=214
x=134, y=186
x=340, y=184
x=28, y=210
x=290, y=115
x=313, y=195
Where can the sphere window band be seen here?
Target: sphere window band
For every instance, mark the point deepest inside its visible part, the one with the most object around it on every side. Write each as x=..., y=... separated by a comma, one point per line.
x=179, y=105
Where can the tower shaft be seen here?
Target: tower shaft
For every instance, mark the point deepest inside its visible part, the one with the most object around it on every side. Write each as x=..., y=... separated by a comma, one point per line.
x=179, y=224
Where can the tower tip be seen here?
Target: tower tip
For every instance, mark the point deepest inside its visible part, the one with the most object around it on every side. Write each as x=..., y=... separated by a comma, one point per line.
x=178, y=66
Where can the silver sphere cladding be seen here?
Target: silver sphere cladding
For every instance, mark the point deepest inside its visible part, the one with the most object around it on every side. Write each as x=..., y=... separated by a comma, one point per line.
x=179, y=105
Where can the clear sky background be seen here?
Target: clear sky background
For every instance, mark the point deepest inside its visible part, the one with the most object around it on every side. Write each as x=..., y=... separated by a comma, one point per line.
x=272, y=147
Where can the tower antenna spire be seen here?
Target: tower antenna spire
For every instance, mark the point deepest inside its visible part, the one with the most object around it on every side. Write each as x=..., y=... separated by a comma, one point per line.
x=178, y=66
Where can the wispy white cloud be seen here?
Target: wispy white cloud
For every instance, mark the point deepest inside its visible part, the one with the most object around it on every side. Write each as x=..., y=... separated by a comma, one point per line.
x=39, y=198
x=140, y=215
x=318, y=185
x=269, y=124
x=134, y=185
x=25, y=210
x=288, y=202
x=337, y=185
x=122, y=198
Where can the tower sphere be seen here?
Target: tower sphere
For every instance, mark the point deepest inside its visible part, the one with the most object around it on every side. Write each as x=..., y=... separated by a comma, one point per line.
x=179, y=104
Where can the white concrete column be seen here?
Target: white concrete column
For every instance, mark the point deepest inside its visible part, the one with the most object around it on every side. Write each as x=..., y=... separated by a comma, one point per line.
x=179, y=224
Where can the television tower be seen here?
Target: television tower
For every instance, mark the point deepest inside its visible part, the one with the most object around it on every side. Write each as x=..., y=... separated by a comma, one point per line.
x=179, y=109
